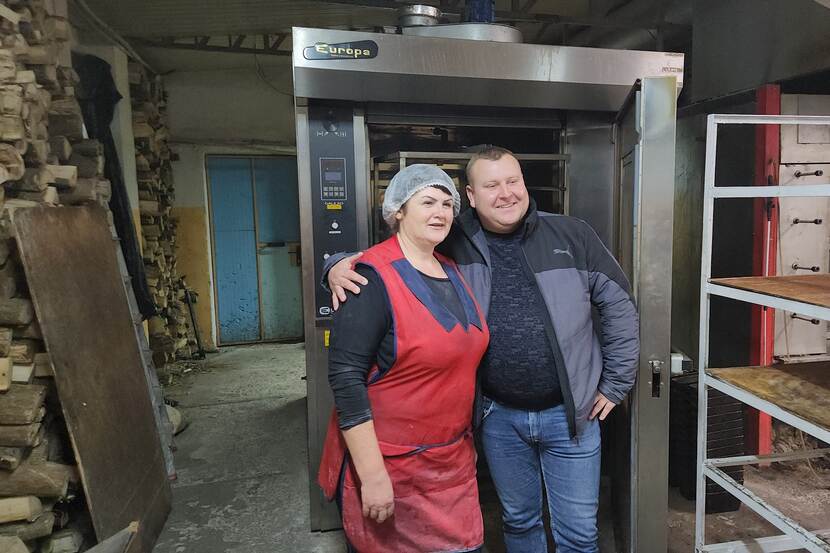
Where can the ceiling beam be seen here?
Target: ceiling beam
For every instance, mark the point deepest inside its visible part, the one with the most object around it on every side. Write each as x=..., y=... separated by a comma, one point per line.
x=231, y=44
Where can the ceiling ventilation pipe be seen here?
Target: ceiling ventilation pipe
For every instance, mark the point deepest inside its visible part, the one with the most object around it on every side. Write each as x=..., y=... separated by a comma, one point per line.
x=424, y=21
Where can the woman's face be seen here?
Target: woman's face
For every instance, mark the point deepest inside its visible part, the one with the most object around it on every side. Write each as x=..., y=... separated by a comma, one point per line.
x=427, y=216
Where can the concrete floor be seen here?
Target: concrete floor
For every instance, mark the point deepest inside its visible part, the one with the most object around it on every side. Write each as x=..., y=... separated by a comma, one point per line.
x=242, y=477
x=243, y=481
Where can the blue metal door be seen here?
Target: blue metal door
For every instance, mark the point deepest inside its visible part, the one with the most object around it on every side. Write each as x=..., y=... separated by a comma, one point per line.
x=278, y=247
x=256, y=248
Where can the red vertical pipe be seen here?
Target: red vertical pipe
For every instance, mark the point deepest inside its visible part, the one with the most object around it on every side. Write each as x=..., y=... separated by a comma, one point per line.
x=765, y=254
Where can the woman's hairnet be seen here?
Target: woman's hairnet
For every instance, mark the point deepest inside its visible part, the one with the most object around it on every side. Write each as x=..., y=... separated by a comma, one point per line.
x=409, y=181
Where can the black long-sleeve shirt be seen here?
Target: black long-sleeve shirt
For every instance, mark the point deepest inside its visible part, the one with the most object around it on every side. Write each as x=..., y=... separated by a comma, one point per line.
x=363, y=334
x=518, y=369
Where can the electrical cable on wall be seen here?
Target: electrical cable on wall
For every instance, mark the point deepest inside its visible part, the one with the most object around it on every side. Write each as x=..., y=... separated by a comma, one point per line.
x=261, y=74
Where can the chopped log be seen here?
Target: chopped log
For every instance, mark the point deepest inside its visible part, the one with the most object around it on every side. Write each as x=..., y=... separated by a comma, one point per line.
x=5, y=373
x=16, y=311
x=43, y=366
x=42, y=54
x=12, y=162
x=8, y=283
x=22, y=404
x=65, y=176
x=43, y=98
x=23, y=351
x=11, y=100
x=48, y=195
x=16, y=43
x=87, y=191
x=31, y=330
x=5, y=341
x=61, y=147
x=35, y=179
x=57, y=28
x=65, y=106
x=89, y=148
x=11, y=128
x=25, y=77
x=8, y=67
x=68, y=540
x=149, y=207
x=12, y=544
x=9, y=15
x=47, y=75
x=8, y=280
x=70, y=125
x=27, y=531
x=10, y=458
x=151, y=231
x=23, y=373
x=40, y=479
x=143, y=130
x=103, y=188
x=37, y=153
x=13, y=509
x=38, y=132
x=88, y=167
x=157, y=325
x=19, y=435
x=67, y=75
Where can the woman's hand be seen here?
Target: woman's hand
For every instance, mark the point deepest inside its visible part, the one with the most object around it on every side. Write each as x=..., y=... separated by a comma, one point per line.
x=343, y=277
x=377, y=496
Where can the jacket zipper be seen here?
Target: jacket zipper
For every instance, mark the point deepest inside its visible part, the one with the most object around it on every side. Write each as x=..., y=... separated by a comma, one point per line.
x=564, y=382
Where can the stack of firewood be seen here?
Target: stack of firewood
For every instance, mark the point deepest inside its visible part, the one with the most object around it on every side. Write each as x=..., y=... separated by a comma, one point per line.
x=170, y=333
x=44, y=159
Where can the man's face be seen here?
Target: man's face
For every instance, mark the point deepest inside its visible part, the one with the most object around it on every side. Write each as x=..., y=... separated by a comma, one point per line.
x=497, y=192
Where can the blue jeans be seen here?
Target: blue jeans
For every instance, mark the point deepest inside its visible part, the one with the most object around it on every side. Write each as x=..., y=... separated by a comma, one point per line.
x=528, y=449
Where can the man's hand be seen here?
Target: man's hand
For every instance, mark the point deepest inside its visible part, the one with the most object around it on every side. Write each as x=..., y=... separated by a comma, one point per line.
x=378, y=497
x=343, y=277
x=602, y=406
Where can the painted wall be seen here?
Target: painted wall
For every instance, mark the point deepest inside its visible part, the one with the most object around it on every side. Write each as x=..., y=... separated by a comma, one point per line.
x=227, y=112
x=742, y=44
x=232, y=105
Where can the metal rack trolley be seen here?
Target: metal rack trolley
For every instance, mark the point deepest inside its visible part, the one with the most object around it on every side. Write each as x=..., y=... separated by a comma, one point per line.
x=756, y=386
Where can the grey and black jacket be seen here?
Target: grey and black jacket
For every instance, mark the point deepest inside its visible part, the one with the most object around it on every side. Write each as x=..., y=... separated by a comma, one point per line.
x=575, y=276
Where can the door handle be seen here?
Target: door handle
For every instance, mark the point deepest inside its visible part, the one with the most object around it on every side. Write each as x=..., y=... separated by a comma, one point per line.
x=295, y=254
x=262, y=246
x=280, y=244
x=656, y=376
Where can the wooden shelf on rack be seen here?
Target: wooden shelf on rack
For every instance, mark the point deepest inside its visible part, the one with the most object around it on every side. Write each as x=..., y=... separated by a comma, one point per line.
x=803, y=389
x=813, y=289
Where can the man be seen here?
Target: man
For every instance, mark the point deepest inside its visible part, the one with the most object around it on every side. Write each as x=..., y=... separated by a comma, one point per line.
x=547, y=377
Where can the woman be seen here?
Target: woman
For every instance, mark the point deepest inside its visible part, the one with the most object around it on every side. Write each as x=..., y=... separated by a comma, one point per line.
x=399, y=454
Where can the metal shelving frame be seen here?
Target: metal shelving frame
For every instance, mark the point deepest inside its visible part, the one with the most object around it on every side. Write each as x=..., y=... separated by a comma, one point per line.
x=794, y=535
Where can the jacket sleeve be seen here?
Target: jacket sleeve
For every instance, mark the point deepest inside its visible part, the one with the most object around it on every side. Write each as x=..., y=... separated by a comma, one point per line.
x=332, y=260
x=618, y=319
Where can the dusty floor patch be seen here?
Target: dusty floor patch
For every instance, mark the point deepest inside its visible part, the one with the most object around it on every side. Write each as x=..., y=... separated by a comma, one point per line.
x=242, y=476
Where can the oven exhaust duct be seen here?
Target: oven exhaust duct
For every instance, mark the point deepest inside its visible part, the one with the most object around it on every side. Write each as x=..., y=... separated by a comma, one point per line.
x=423, y=20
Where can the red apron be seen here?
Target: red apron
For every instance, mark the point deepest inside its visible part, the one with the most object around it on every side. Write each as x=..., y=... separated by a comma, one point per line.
x=422, y=409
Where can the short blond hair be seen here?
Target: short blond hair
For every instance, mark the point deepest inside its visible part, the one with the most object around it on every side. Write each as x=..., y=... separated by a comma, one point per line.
x=488, y=152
